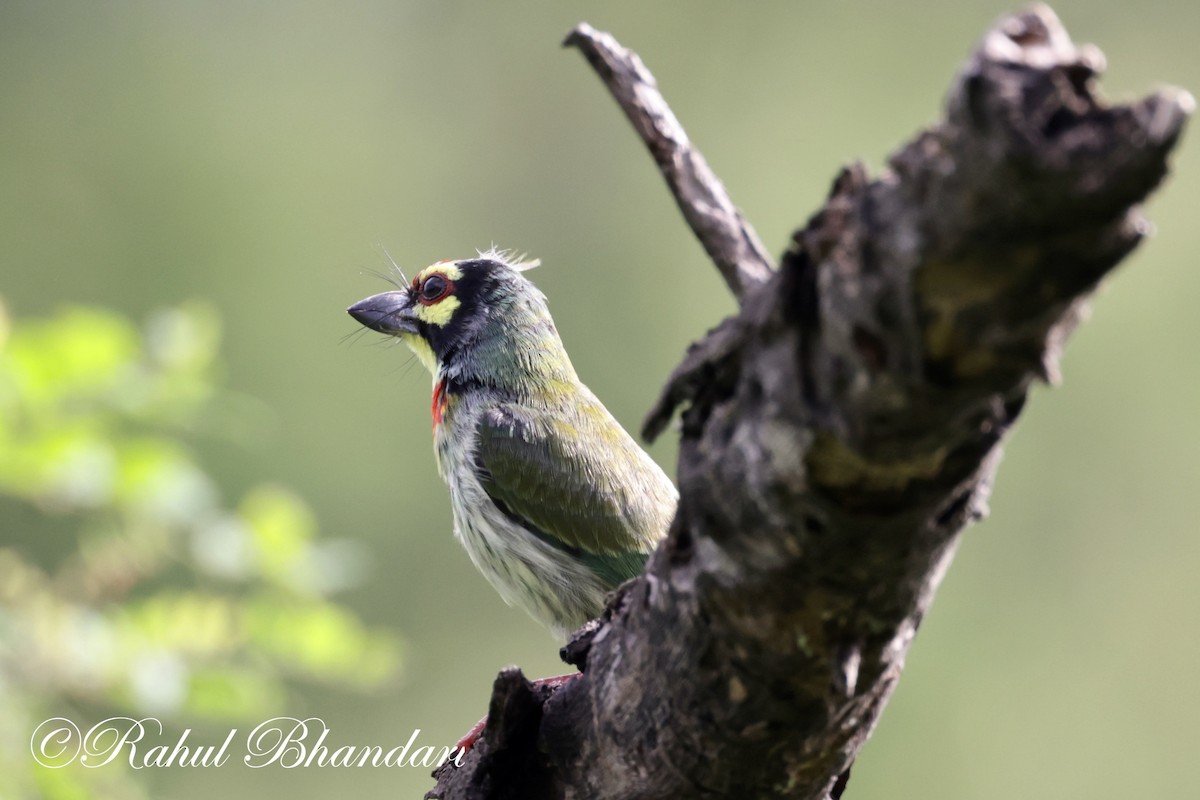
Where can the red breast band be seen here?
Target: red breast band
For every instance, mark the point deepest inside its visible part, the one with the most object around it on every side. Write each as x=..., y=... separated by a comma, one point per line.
x=438, y=407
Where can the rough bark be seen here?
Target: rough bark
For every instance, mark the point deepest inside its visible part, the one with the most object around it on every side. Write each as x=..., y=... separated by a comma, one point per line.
x=838, y=434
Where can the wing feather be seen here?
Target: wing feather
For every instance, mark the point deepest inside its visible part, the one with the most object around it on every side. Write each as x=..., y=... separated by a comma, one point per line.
x=578, y=480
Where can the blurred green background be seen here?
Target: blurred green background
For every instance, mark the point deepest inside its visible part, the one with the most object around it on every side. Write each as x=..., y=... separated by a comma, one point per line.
x=245, y=164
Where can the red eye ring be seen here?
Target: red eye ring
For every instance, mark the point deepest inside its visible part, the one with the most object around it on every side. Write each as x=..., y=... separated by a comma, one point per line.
x=434, y=289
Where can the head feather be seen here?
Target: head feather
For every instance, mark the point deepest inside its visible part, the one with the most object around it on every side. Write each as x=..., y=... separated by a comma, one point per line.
x=510, y=258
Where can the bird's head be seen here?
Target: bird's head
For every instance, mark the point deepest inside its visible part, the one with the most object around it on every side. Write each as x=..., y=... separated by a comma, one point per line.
x=476, y=318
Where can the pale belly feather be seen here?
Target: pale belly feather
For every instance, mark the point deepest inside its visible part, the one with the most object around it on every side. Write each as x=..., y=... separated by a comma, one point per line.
x=548, y=583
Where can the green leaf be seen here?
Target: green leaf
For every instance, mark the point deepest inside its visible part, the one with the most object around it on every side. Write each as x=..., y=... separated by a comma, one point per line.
x=282, y=527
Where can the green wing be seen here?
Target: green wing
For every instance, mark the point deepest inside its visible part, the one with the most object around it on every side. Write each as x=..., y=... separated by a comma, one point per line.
x=577, y=480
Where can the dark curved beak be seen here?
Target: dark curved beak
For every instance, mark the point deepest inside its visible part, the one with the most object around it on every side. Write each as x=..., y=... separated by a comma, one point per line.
x=390, y=313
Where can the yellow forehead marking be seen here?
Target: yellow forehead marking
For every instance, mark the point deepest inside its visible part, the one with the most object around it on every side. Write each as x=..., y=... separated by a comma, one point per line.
x=447, y=268
x=440, y=312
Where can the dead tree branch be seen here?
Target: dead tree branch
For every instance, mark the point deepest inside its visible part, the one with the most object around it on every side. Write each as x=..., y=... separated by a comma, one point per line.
x=838, y=434
x=727, y=237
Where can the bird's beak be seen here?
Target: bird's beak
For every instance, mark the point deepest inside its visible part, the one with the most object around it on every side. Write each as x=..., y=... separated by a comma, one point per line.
x=390, y=313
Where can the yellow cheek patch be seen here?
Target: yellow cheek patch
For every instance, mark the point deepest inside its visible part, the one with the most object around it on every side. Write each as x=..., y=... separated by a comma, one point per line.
x=421, y=350
x=439, y=313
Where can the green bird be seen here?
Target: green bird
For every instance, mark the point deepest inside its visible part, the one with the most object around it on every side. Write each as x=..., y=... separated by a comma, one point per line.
x=554, y=501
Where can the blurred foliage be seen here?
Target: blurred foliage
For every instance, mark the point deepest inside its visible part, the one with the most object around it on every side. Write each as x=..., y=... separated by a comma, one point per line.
x=134, y=589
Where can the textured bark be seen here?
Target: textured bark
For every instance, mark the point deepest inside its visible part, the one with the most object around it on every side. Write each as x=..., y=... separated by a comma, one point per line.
x=838, y=434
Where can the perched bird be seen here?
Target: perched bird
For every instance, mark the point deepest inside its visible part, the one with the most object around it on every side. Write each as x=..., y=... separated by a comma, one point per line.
x=554, y=501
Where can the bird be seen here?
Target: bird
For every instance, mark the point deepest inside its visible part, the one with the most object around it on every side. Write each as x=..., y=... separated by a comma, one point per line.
x=555, y=503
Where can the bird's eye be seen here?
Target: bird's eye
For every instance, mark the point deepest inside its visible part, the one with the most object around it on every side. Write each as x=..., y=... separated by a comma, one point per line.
x=434, y=288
